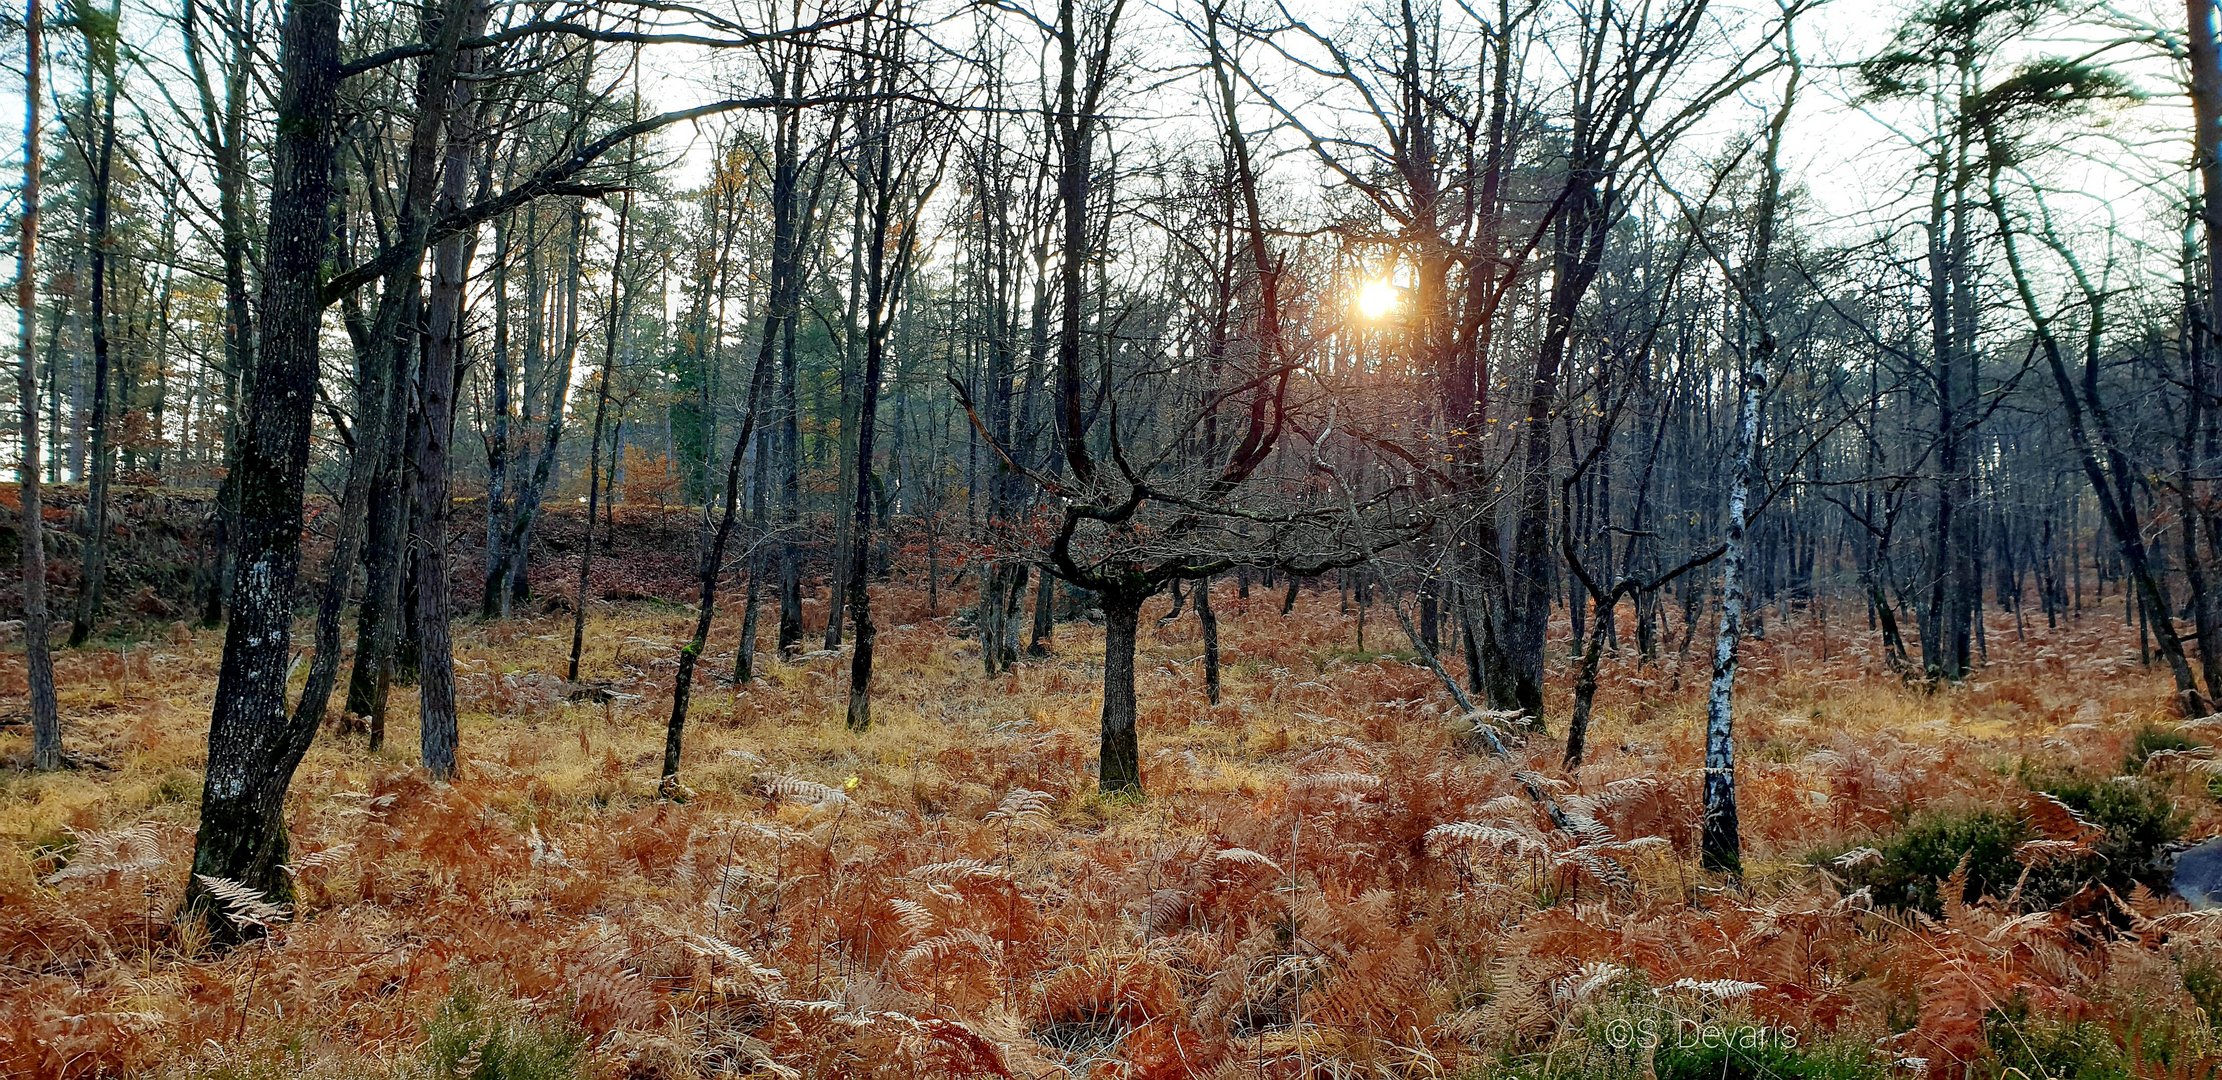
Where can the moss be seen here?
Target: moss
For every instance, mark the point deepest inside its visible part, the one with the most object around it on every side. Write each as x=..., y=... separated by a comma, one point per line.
x=1103, y=806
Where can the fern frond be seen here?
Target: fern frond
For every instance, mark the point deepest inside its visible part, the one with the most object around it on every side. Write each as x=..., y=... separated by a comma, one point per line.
x=1716, y=989
x=939, y=949
x=718, y=948
x=2056, y=820
x=1338, y=781
x=1588, y=830
x=116, y=851
x=1023, y=806
x=2040, y=852
x=319, y=860
x=1245, y=857
x=1494, y=839
x=1585, y=983
x=1166, y=910
x=797, y=790
x=1508, y=806
x=244, y=905
x=959, y=870
x=1598, y=867
x=545, y=852
x=2204, y=919
x=1535, y=781
x=912, y=916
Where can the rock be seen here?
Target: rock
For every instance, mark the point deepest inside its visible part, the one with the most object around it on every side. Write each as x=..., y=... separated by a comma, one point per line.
x=2199, y=874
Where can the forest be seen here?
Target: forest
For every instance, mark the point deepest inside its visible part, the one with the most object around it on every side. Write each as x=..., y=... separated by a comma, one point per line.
x=1529, y=539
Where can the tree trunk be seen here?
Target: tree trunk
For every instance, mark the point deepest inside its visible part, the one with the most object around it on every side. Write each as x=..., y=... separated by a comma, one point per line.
x=253, y=745
x=381, y=650
x=378, y=619
x=93, y=567
x=525, y=514
x=860, y=540
x=1471, y=636
x=845, y=447
x=1210, y=621
x=891, y=221
x=2098, y=446
x=1119, y=766
x=436, y=398
x=227, y=123
x=46, y=723
x=990, y=612
x=1045, y=615
x=790, y=499
x=775, y=456
x=1721, y=845
x=498, y=379
x=711, y=566
x=619, y=293
x=2206, y=111
x=1585, y=683
x=744, y=651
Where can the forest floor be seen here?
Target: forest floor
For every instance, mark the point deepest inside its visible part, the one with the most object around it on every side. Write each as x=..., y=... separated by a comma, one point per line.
x=946, y=895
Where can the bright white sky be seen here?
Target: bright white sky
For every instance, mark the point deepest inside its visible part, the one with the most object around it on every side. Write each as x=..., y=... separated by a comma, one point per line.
x=1857, y=171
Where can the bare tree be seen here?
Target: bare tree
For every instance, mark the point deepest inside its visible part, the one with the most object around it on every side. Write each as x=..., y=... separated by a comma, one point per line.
x=46, y=723
x=901, y=152
x=613, y=326
x=436, y=405
x=101, y=32
x=2006, y=112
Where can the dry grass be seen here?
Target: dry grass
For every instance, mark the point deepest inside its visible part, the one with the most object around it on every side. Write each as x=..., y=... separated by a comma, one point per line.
x=946, y=895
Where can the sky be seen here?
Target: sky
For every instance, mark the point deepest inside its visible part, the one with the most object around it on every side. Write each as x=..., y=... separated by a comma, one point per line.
x=1853, y=167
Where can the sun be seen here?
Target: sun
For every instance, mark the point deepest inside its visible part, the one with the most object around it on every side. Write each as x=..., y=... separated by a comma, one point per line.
x=1378, y=299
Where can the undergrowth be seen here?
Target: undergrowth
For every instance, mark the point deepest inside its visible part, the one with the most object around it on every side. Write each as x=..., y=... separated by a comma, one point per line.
x=1320, y=881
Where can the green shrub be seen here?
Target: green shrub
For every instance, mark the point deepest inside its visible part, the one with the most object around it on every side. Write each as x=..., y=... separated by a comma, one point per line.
x=2153, y=739
x=2140, y=821
x=1629, y=1033
x=475, y=1038
x=2025, y=1047
x=2202, y=979
x=1768, y=1061
x=1923, y=856
x=2137, y=822
x=1594, y=1056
